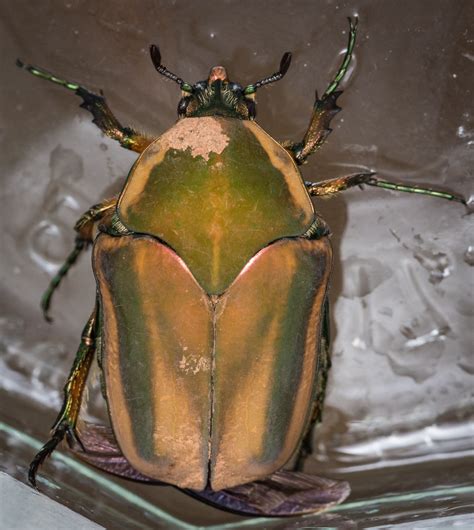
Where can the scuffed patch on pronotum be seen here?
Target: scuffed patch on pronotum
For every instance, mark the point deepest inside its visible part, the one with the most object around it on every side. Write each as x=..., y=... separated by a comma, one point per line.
x=202, y=136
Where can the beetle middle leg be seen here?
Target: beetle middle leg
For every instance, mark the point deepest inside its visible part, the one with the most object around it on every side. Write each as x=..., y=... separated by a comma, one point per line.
x=97, y=106
x=65, y=423
x=332, y=186
x=324, y=109
x=322, y=372
x=84, y=228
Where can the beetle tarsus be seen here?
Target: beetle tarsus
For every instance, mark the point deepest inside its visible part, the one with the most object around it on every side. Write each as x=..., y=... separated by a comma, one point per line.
x=347, y=58
x=58, y=435
x=73, y=390
x=397, y=186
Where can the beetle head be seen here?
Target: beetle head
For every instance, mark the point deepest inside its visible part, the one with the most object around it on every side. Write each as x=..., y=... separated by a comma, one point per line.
x=217, y=95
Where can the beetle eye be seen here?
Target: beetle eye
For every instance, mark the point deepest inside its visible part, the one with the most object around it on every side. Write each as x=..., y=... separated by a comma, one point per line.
x=250, y=89
x=185, y=87
x=200, y=85
x=183, y=105
x=235, y=87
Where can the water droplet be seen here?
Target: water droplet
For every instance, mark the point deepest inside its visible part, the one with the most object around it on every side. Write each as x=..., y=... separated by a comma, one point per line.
x=465, y=307
x=469, y=255
x=47, y=245
x=359, y=344
x=416, y=358
x=66, y=165
x=468, y=56
x=386, y=311
x=432, y=336
x=26, y=367
x=436, y=263
x=466, y=366
x=462, y=132
x=363, y=276
x=470, y=205
x=415, y=351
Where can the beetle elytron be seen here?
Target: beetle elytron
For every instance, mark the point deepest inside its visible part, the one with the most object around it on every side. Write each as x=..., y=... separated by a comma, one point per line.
x=211, y=320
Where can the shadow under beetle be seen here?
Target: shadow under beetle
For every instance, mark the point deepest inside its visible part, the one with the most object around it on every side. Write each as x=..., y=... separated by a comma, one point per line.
x=211, y=320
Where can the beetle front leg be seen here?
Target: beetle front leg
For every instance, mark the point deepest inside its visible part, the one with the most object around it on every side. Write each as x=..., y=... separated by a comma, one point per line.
x=332, y=186
x=84, y=228
x=97, y=106
x=65, y=423
x=324, y=109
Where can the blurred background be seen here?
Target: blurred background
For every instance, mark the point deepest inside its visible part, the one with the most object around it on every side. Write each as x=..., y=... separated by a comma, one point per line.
x=398, y=420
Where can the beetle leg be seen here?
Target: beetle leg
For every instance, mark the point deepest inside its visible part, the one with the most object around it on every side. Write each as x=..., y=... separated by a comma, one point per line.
x=322, y=372
x=97, y=106
x=79, y=246
x=329, y=187
x=84, y=228
x=65, y=423
x=324, y=109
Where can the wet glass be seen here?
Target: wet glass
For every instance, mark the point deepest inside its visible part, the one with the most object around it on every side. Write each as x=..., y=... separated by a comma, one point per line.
x=398, y=419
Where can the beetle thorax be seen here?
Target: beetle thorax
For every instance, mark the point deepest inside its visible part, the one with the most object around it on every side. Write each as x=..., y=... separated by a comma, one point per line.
x=217, y=96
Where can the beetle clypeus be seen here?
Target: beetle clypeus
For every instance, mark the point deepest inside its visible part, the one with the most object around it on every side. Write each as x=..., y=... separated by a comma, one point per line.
x=211, y=320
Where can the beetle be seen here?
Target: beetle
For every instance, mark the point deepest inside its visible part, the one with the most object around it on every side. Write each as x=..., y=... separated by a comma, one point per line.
x=211, y=321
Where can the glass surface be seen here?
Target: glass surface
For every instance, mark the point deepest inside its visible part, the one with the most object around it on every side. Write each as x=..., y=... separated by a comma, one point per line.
x=398, y=421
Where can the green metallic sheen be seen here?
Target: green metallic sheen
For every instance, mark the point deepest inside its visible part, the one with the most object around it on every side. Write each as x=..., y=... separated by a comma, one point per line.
x=230, y=379
x=156, y=358
x=268, y=343
x=217, y=190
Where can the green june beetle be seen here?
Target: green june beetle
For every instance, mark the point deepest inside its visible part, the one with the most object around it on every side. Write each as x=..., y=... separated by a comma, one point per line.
x=211, y=321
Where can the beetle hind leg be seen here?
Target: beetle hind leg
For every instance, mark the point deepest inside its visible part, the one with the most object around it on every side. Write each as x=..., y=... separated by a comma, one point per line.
x=65, y=424
x=322, y=373
x=62, y=431
x=84, y=228
x=336, y=185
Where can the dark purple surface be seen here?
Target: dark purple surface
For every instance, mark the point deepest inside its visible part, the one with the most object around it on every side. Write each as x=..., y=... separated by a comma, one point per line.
x=285, y=493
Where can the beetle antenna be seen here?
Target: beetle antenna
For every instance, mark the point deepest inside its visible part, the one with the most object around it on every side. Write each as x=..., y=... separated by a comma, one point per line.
x=156, y=58
x=284, y=65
